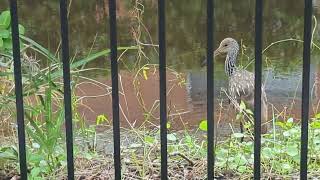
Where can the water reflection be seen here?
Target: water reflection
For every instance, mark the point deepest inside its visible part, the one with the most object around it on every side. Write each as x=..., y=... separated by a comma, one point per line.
x=186, y=41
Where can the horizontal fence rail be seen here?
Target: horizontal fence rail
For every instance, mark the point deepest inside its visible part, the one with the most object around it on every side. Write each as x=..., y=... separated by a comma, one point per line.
x=18, y=88
x=162, y=87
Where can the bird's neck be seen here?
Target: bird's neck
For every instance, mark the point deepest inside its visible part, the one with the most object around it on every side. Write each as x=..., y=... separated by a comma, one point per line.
x=230, y=63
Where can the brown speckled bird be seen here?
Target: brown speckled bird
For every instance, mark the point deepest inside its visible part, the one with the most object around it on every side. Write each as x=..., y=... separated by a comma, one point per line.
x=241, y=81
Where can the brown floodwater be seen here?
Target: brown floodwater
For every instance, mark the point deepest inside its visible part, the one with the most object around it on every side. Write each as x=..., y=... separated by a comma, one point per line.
x=186, y=43
x=186, y=100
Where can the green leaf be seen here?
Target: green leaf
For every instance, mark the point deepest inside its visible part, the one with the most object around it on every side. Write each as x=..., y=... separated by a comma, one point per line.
x=281, y=124
x=35, y=158
x=35, y=172
x=149, y=139
x=203, y=125
x=171, y=137
x=315, y=124
x=4, y=33
x=8, y=153
x=91, y=57
x=5, y=19
x=168, y=125
x=21, y=29
x=286, y=166
x=240, y=160
x=238, y=116
x=7, y=43
x=101, y=118
x=292, y=150
x=317, y=116
x=242, y=106
x=248, y=111
x=242, y=169
x=81, y=62
x=267, y=153
x=37, y=47
x=1, y=42
x=296, y=158
x=238, y=135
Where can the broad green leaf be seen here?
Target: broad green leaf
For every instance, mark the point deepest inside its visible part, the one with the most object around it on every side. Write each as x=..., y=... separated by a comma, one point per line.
x=35, y=172
x=286, y=166
x=248, y=111
x=35, y=158
x=296, y=158
x=203, y=125
x=240, y=160
x=317, y=116
x=315, y=124
x=292, y=150
x=5, y=19
x=242, y=169
x=149, y=139
x=267, y=153
x=281, y=124
x=1, y=42
x=4, y=33
x=171, y=137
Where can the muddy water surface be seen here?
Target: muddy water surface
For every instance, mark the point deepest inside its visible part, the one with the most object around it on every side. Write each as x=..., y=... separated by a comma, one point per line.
x=186, y=41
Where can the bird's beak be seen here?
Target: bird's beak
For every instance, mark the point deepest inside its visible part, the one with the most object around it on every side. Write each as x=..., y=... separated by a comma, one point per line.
x=217, y=52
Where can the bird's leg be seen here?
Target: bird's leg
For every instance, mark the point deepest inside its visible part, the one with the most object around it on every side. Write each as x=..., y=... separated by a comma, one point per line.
x=241, y=130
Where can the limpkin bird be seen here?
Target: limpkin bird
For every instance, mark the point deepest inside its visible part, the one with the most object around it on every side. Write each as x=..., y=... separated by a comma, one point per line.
x=241, y=81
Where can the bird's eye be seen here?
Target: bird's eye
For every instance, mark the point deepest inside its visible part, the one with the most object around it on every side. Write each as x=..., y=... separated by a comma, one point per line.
x=225, y=45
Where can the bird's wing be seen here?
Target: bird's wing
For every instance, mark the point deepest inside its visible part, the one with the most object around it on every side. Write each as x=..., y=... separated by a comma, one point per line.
x=241, y=85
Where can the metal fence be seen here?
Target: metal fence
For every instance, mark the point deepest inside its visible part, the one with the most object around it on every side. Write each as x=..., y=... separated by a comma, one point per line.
x=162, y=71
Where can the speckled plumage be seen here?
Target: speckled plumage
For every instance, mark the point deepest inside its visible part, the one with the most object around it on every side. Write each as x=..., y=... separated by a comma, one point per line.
x=241, y=82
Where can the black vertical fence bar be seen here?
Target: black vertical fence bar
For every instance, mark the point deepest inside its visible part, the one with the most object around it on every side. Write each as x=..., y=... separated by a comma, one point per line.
x=115, y=88
x=210, y=106
x=66, y=86
x=305, y=89
x=257, y=86
x=163, y=91
x=18, y=88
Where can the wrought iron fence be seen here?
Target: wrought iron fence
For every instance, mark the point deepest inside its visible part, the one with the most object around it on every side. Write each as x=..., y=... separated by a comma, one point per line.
x=162, y=71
